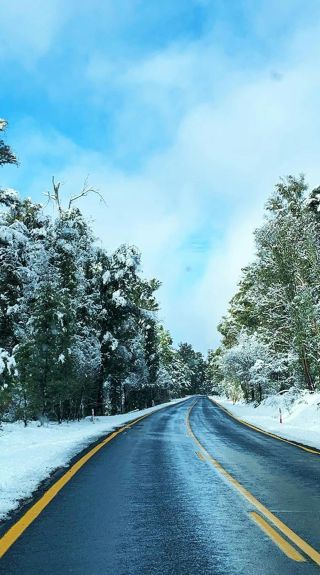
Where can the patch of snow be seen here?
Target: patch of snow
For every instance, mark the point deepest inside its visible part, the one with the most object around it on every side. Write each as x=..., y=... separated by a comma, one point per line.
x=108, y=337
x=106, y=277
x=300, y=413
x=9, y=193
x=13, y=233
x=11, y=309
x=118, y=298
x=28, y=455
x=7, y=362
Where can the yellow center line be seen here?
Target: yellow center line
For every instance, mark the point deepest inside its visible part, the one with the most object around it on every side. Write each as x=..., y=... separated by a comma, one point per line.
x=200, y=455
x=294, y=538
x=285, y=547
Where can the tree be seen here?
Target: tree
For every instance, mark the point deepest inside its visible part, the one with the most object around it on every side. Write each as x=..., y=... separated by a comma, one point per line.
x=277, y=302
x=214, y=376
x=78, y=325
x=197, y=367
x=6, y=154
x=8, y=374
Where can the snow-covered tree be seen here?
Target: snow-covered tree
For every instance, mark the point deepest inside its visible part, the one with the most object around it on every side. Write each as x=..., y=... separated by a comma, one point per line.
x=78, y=325
x=8, y=375
x=279, y=295
x=6, y=154
x=253, y=367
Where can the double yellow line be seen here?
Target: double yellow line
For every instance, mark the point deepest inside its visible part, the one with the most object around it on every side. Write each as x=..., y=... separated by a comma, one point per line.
x=284, y=545
x=22, y=524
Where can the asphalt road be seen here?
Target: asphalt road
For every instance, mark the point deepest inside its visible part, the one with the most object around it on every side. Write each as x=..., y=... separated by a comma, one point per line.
x=154, y=502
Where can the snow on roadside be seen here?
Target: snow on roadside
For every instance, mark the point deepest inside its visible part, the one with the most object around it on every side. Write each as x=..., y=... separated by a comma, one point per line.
x=300, y=415
x=29, y=455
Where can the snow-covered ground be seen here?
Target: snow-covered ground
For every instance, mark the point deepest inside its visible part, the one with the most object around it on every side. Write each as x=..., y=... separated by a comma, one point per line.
x=29, y=455
x=300, y=415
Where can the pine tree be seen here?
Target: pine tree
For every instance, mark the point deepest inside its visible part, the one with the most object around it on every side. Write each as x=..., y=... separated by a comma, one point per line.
x=197, y=368
x=118, y=322
x=78, y=325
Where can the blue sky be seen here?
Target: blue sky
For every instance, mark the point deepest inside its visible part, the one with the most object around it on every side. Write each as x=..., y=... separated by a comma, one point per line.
x=184, y=114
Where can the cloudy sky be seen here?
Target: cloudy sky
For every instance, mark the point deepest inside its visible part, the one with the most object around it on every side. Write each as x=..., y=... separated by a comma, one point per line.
x=183, y=113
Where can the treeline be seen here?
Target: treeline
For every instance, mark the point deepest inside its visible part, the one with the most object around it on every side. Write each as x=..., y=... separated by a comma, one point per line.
x=78, y=325
x=271, y=333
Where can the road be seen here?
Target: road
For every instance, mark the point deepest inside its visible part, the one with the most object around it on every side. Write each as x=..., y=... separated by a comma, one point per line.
x=186, y=491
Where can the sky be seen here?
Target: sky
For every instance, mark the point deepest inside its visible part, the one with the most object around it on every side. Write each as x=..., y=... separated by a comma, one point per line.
x=183, y=115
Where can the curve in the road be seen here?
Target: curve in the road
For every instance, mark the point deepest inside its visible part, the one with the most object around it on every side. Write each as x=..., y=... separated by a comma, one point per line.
x=291, y=535
x=273, y=435
x=148, y=503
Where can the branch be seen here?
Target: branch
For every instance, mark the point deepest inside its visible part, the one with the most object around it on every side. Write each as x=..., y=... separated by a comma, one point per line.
x=55, y=195
x=84, y=192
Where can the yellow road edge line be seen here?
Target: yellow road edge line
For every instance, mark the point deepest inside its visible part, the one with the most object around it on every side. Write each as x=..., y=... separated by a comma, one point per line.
x=21, y=525
x=200, y=455
x=294, y=538
x=243, y=422
x=14, y=532
x=285, y=547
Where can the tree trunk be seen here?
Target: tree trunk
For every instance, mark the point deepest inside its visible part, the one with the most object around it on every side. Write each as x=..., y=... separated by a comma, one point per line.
x=99, y=410
x=307, y=374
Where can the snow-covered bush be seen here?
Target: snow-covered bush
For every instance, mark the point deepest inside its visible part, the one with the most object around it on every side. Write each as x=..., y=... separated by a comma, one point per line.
x=254, y=367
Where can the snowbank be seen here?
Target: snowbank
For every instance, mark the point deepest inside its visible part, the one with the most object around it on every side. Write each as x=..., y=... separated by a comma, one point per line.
x=300, y=415
x=29, y=455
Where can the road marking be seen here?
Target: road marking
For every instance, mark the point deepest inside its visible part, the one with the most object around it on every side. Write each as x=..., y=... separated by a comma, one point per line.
x=263, y=430
x=294, y=538
x=200, y=455
x=21, y=525
x=285, y=547
x=7, y=540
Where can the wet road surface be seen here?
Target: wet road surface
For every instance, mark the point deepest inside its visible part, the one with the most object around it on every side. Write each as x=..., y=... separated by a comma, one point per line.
x=153, y=501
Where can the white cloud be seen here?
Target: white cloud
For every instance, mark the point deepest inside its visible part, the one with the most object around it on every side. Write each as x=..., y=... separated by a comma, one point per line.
x=29, y=28
x=235, y=132
x=233, y=151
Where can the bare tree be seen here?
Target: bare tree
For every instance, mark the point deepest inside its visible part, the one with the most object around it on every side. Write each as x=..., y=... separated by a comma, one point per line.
x=55, y=196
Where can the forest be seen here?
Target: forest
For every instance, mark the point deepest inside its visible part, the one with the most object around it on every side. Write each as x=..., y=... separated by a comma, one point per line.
x=79, y=326
x=79, y=329
x=270, y=336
